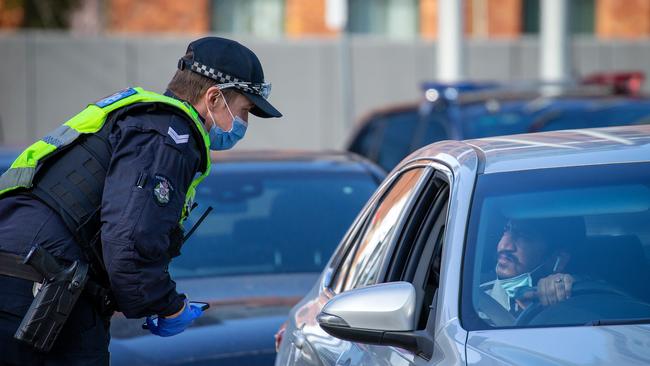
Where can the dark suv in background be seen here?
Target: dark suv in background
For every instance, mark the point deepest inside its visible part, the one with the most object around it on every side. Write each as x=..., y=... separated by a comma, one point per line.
x=476, y=110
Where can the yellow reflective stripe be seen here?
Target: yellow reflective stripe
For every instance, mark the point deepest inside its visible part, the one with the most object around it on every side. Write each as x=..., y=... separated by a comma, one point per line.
x=90, y=120
x=16, y=177
x=30, y=157
x=63, y=135
x=191, y=193
x=86, y=120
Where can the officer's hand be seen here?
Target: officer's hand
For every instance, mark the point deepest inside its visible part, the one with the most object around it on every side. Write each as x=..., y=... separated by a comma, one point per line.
x=554, y=288
x=167, y=327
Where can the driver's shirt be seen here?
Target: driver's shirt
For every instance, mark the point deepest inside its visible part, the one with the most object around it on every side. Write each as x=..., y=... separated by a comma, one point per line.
x=495, y=291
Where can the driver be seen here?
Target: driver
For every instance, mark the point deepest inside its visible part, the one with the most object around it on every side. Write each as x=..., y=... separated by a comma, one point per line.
x=534, y=251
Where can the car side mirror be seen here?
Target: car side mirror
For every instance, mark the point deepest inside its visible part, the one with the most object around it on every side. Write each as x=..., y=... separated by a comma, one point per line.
x=382, y=314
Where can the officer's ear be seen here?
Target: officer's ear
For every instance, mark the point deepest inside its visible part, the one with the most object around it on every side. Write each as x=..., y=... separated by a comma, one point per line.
x=212, y=95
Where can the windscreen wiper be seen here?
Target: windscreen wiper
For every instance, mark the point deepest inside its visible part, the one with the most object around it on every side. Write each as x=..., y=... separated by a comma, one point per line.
x=603, y=322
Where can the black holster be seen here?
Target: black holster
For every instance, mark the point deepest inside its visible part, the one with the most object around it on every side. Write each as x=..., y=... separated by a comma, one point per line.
x=54, y=301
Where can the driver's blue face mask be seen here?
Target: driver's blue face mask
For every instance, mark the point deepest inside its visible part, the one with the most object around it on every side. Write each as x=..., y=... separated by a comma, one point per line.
x=224, y=140
x=511, y=285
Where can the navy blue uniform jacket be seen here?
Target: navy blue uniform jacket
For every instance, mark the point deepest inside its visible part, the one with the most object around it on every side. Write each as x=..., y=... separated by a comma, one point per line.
x=137, y=217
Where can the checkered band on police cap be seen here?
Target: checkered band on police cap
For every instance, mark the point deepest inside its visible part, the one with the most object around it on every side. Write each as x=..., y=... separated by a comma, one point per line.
x=221, y=77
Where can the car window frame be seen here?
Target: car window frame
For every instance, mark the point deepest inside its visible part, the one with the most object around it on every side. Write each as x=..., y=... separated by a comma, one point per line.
x=398, y=226
x=423, y=208
x=432, y=242
x=352, y=243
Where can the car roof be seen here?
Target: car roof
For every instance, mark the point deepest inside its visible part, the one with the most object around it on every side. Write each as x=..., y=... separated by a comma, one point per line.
x=529, y=96
x=624, y=144
x=554, y=149
x=294, y=160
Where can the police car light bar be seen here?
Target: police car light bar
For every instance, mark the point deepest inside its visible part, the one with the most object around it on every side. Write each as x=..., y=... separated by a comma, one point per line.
x=621, y=82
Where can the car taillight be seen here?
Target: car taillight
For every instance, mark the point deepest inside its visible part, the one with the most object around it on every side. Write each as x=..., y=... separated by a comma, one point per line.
x=626, y=83
x=278, y=336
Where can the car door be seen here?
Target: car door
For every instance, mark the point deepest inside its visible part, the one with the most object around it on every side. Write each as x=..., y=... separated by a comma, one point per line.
x=415, y=257
x=358, y=262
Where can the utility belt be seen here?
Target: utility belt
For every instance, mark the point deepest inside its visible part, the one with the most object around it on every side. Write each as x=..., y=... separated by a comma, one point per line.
x=60, y=289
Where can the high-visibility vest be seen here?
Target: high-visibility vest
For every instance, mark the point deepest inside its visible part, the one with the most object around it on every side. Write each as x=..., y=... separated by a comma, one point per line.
x=89, y=121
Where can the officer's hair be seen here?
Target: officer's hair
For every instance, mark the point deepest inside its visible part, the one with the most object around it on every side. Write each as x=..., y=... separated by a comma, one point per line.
x=191, y=86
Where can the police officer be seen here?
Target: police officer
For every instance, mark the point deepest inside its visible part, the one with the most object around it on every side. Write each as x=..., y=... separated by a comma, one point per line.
x=111, y=188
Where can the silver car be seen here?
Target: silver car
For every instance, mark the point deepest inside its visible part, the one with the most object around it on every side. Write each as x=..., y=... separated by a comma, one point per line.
x=521, y=250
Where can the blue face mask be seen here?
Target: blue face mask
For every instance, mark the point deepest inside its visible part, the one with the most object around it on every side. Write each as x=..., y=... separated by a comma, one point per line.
x=224, y=140
x=511, y=285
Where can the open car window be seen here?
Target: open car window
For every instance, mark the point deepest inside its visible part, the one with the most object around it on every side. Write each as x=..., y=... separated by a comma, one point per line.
x=562, y=246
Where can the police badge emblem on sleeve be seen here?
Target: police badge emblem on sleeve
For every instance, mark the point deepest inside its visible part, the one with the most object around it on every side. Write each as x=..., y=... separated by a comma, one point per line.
x=162, y=190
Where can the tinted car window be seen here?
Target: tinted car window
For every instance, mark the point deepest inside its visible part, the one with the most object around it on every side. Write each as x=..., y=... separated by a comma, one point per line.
x=494, y=118
x=618, y=115
x=434, y=130
x=372, y=244
x=589, y=223
x=398, y=135
x=271, y=222
x=368, y=140
x=387, y=138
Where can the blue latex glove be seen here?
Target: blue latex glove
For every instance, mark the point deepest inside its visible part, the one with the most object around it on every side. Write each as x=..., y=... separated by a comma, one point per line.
x=167, y=327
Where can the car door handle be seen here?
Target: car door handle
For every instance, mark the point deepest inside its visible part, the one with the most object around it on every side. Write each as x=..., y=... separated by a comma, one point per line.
x=298, y=339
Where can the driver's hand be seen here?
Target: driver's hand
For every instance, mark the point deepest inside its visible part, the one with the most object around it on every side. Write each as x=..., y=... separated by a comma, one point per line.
x=554, y=288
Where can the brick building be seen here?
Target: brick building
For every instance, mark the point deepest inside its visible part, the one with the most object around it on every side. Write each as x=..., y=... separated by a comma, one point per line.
x=399, y=19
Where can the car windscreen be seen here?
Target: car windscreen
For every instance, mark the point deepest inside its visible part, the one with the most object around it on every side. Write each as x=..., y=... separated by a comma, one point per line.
x=388, y=138
x=270, y=221
x=494, y=118
x=561, y=246
x=619, y=114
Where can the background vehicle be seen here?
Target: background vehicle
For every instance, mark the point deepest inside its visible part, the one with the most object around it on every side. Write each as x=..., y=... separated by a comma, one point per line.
x=404, y=285
x=7, y=156
x=474, y=110
x=277, y=218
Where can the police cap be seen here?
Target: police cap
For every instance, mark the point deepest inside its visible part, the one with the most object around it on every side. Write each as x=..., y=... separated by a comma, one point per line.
x=231, y=65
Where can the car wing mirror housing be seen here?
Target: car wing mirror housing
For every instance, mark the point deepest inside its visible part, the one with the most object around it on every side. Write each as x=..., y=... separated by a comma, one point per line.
x=382, y=314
